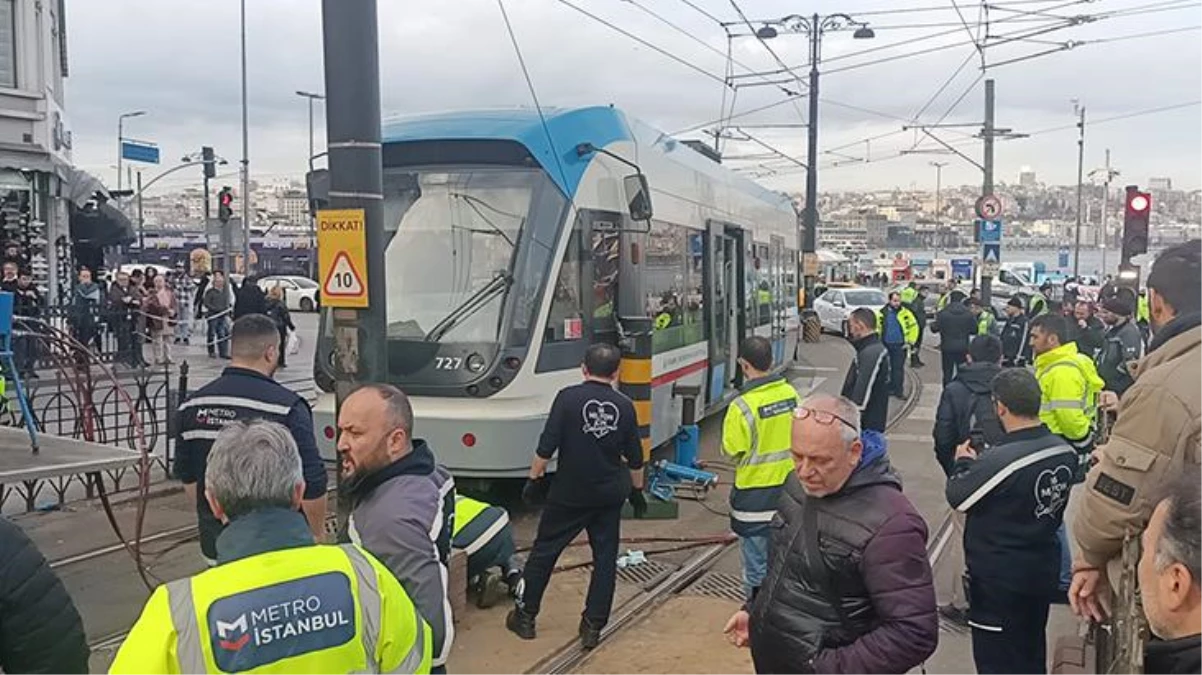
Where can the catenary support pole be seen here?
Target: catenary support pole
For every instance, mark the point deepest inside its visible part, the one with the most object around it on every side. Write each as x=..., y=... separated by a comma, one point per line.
x=350, y=34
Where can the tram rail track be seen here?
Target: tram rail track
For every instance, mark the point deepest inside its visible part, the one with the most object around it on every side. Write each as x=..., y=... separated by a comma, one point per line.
x=572, y=654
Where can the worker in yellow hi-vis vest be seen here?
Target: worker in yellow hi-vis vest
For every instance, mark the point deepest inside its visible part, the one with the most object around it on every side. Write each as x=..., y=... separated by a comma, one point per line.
x=756, y=434
x=276, y=602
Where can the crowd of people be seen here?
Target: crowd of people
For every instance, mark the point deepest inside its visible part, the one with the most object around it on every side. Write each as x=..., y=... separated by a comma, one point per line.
x=835, y=563
x=142, y=308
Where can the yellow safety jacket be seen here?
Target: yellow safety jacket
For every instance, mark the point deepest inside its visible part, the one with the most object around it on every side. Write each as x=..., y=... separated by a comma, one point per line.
x=476, y=523
x=942, y=301
x=315, y=609
x=1143, y=311
x=985, y=322
x=908, y=294
x=1037, y=304
x=1070, y=386
x=909, y=324
x=756, y=433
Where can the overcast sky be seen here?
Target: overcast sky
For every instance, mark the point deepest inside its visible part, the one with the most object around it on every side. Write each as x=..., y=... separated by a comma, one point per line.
x=179, y=61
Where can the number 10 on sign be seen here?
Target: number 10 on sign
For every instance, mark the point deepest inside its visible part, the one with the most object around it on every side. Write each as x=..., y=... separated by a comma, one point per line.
x=342, y=257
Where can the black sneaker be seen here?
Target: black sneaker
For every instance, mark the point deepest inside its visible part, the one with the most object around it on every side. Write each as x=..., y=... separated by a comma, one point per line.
x=590, y=634
x=520, y=623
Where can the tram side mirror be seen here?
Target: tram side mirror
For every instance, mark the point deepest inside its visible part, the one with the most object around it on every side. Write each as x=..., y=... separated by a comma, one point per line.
x=317, y=185
x=638, y=197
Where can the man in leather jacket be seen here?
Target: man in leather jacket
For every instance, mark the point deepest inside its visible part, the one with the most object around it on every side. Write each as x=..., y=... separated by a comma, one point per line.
x=849, y=588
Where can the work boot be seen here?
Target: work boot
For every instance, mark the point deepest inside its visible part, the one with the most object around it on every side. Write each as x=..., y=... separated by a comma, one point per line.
x=490, y=590
x=521, y=623
x=590, y=633
x=513, y=579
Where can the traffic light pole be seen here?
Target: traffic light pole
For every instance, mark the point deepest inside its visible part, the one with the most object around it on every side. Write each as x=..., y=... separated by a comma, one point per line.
x=1080, y=183
x=350, y=36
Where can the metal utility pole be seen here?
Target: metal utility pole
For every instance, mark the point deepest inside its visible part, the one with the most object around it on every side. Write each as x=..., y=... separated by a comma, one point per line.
x=1109, y=175
x=312, y=218
x=1080, y=110
x=121, y=137
x=350, y=36
x=987, y=133
x=938, y=211
x=141, y=222
x=245, y=158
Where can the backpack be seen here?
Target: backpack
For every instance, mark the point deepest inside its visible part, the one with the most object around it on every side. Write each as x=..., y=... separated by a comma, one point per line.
x=984, y=428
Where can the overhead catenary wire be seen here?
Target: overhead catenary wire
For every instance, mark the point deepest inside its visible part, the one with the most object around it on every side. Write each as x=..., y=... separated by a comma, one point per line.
x=530, y=84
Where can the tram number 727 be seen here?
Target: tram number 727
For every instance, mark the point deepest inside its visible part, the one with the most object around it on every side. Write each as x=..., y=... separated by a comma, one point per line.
x=448, y=362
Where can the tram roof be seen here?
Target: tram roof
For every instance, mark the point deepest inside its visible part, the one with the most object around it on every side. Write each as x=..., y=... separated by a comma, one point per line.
x=565, y=129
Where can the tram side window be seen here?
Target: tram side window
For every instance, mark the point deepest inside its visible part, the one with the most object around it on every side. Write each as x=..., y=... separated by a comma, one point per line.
x=565, y=321
x=790, y=279
x=672, y=283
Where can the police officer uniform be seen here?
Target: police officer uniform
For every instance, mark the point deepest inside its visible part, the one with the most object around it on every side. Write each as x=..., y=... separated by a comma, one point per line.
x=1070, y=385
x=1122, y=344
x=756, y=433
x=277, y=603
x=241, y=394
x=897, y=344
x=1016, y=345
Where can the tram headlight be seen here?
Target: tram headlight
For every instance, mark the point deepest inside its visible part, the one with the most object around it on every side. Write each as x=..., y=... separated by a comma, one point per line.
x=476, y=363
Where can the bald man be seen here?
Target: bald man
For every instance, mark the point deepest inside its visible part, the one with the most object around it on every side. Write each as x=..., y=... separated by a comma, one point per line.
x=404, y=501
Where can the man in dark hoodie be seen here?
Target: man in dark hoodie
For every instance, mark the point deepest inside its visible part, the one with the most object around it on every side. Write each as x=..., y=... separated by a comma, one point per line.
x=965, y=406
x=404, y=502
x=956, y=325
x=1014, y=496
x=849, y=587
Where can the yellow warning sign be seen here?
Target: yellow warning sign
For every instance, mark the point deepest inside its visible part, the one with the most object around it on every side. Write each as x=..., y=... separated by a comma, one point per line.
x=342, y=257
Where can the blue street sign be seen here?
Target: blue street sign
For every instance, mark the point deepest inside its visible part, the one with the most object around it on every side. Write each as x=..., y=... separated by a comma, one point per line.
x=1062, y=256
x=137, y=151
x=991, y=230
x=991, y=253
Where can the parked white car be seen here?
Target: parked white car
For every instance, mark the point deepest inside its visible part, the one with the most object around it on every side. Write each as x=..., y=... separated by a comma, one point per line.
x=835, y=306
x=300, y=293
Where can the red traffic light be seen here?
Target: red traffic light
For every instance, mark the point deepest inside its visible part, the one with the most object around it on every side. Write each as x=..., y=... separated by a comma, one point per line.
x=226, y=199
x=1138, y=202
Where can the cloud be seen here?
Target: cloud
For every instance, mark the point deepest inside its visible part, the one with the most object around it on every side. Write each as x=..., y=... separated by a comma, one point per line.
x=179, y=61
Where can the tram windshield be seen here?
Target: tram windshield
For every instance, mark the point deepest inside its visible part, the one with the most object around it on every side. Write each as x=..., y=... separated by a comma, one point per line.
x=456, y=238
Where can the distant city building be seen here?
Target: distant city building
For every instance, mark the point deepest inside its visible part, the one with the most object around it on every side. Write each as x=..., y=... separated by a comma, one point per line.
x=1026, y=177
x=1160, y=184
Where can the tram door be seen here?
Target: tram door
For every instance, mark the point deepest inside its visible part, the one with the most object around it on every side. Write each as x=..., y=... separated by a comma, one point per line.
x=724, y=260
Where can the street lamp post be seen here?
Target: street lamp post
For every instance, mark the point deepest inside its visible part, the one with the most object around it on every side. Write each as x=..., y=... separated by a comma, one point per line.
x=814, y=27
x=938, y=211
x=312, y=222
x=121, y=137
x=245, y=157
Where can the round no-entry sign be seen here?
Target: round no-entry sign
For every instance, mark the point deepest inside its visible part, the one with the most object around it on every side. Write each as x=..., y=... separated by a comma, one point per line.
x=989, y=207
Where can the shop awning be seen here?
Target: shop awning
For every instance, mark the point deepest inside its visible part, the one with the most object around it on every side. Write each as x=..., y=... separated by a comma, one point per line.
x=100, y=225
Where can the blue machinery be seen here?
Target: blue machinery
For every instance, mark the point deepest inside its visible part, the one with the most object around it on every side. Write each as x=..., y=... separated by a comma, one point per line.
x=668, y=477
x=10, y=366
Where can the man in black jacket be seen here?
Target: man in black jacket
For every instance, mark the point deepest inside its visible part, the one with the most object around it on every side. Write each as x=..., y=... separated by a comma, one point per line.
x=1088, y=330
x=849, y=587
x=965, y=406
x=867, y=381
x=918, y=307
x=246, y=391
x=596, y=433
x=1123, y=342
x=40, y=629
x=1016, y=343
x=1014, y=496
x=955, y=325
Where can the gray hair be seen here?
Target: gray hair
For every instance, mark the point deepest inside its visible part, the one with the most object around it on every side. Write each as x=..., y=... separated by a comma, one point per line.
x=844, y=408
x=253, y=465
x=1179, y=540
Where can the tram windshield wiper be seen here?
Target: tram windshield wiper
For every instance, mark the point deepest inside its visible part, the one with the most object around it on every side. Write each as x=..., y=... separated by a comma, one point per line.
x=497, y=285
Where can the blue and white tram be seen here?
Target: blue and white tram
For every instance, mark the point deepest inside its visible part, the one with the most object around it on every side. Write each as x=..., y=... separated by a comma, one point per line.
x=510, y=240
